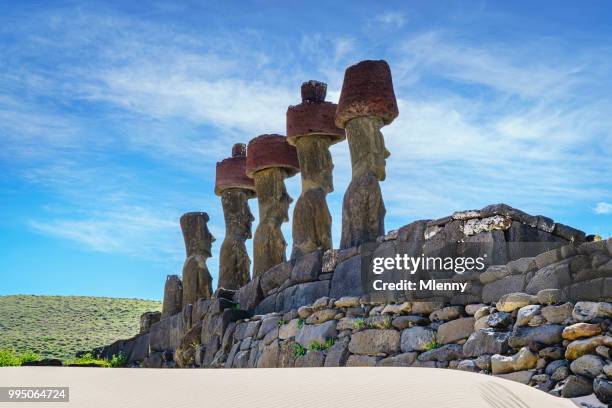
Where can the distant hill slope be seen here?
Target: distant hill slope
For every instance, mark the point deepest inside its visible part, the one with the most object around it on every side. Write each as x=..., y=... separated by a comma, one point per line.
x=59, y=326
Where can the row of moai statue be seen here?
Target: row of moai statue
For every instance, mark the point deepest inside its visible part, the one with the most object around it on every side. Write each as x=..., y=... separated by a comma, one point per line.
x=367, y=103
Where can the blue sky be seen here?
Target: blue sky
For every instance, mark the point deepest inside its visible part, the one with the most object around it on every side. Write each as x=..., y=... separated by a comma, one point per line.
x=113, y=115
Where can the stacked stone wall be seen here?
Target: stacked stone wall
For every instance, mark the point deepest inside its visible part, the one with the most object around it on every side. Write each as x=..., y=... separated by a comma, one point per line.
x=540, y=318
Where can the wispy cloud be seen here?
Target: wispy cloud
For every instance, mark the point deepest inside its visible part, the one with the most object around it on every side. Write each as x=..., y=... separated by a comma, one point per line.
x=392, y=18
x=603, y=208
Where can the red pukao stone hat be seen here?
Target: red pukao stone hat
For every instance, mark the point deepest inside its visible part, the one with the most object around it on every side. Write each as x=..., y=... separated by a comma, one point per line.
x=313, y=116
x=231, y=172
x=367, y=91
x=267, y=151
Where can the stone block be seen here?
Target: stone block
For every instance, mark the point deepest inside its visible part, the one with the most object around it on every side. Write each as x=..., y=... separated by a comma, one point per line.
x=250, y=295
x=492, y=292
x=375, y=342
x=454, y=330
x=267, y=305
x=307, y=268
x=555, y=276
x=416, y=339
x=548, y=334
x=310, y=333
x=275, y=276
x=486, y=341
x=347, y=279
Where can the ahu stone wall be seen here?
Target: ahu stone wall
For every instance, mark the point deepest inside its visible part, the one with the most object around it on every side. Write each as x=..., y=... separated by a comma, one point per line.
x=538, y=314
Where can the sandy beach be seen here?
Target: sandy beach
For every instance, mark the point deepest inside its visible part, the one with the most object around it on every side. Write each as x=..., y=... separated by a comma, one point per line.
x=253, y=388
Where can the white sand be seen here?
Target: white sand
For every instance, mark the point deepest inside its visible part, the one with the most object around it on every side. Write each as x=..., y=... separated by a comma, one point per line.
x=270, y=388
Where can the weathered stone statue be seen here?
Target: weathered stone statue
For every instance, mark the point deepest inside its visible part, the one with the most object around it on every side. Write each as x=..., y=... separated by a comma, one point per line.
x=311, y=129
x=270, y=159
x=197, y=282
x=367, y=103
x=235, y=189
x=173, y=296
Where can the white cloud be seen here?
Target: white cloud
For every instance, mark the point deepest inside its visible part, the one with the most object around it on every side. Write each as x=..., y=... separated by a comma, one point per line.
x=392, y=18
x=603, y=208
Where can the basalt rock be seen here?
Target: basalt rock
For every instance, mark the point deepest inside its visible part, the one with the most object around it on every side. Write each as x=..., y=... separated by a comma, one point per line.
x=270, y=159
x=311, y=129
x=173, y=296
x=197, y=282
x=367, y=103
x=235, y=189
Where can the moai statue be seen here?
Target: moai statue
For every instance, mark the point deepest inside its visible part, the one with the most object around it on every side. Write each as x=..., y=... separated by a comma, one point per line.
x=173, y=296
x=235, y=189
x=367, y=103
x=311, y=129
x=197, y=282
x=270, y=159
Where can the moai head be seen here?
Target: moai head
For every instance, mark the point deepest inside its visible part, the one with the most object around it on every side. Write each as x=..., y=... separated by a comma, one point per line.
x=270, y=159
x=235, y=188
x=367, y=92
x=198, y=240
x=311, y=128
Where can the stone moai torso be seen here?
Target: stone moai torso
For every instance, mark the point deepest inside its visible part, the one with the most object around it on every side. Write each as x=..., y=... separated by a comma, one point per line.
x=311, y=129
x=235, y=189
x=270, y=159
x=197, y=282
x=367, y=103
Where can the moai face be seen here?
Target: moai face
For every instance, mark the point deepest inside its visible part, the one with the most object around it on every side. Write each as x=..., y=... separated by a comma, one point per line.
x=238, y=216
x=198, y=239
x=367, y=146
x=379, y=154
x=272, y=194
x=281, y=212
x=316, y=162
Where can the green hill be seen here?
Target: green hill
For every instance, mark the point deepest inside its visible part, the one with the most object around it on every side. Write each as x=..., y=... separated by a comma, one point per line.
x=59, y=326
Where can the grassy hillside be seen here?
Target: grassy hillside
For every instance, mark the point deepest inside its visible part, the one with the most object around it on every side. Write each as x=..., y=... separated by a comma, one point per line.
x=59, y=326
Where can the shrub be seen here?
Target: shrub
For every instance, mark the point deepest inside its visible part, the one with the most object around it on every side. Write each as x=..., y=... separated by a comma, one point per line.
x=432, y=345
x=281, y=322
x=87, y=359
x=359, y=324
x=300, y=323
x=10, y=358
x=299, y=350
x=118, y=360
x=315, y=345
